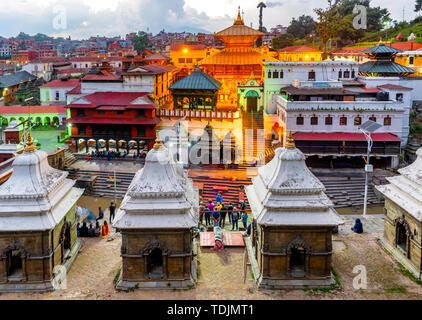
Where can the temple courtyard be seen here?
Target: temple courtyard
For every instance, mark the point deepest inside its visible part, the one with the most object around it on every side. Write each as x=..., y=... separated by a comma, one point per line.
x=220, y=275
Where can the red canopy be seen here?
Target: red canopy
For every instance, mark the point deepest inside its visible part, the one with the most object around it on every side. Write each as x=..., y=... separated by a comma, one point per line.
x=341, y=136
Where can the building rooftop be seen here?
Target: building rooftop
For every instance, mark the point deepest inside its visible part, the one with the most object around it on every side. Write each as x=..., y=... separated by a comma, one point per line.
x=62, y=83
x=15, y=79
x=197, y=80
x=299, y=49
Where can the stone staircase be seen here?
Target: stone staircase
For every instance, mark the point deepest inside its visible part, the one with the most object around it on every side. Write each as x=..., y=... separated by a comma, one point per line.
x=69, y=158
x=345, y=192
x=251, y=121
x=103, y=186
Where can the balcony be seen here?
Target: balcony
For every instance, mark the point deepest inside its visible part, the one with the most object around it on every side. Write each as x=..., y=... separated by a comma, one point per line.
x=199, y=114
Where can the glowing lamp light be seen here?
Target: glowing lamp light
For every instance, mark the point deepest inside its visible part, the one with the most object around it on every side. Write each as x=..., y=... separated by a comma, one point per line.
x=69, y=125
x=185, y=50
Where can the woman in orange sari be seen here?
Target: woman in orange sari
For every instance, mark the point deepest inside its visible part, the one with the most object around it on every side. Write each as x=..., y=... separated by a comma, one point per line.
x=105, y=231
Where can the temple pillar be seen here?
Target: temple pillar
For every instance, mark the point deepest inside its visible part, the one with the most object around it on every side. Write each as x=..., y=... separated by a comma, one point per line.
x=96, y=145
x=117, y=145
x=86, y=145
x=107, y=146
x=137, y=146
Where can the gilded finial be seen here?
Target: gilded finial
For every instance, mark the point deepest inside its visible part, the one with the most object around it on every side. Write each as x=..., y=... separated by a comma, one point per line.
x=158, y=142
x=29, y=144
x=290, y=141
x=239, y=20
x=380, y=40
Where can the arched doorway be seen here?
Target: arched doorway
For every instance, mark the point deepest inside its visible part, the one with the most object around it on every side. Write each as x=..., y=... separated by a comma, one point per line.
x=298, y=253
x=401, y=237
x=47, y=121
x=15, y=256
x=155, y=266
x=252, y=101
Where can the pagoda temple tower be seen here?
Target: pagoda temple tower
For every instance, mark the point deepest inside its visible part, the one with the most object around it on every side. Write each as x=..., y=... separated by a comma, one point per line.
x=237, y=63
x=156, y=220
x=37, y=224
x=403, y=216
x=293, y=223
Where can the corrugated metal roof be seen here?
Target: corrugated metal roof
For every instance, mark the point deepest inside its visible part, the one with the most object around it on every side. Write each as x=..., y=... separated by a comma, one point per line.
x=382, y=48
x=197, y=80
x=237, y=56
x=380, y=66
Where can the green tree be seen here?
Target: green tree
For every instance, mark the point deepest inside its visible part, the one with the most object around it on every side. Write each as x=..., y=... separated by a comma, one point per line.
x=328, y=24
x=140, y=41
x=301, y=27
x=283, y=40
x=418, y=6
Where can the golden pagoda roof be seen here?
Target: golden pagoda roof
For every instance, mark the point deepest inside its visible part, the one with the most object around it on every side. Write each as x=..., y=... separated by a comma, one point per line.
x=239, y=29
x=237, y=56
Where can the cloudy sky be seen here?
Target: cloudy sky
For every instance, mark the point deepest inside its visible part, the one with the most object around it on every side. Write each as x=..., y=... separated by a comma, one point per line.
x=83, y=18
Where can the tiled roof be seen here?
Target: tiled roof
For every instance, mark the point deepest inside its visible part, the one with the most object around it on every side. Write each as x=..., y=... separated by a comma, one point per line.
x=390, y=86
x=32, y=109
x=150, y=69
x=177, y=47
x=102, y=76
x=73, y=70
x=125, y=99
x=156, y=56
x=313, y=91
x=197, y=80
x=299, y=49
x=15, y=79
x=70, y=83
x=75, y=90
x=341, y=136
x=237, y=56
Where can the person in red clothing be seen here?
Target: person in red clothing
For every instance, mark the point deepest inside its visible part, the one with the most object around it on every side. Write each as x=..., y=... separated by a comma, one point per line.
x=105, y=231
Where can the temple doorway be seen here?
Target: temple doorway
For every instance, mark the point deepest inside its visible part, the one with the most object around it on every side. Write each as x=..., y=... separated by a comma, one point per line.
x=252, y=104
x=401, y=237
x=14, y=265
x=297, y=262
x=155, y=264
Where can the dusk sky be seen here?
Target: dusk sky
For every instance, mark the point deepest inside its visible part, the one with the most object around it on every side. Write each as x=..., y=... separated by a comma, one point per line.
x=86, y=18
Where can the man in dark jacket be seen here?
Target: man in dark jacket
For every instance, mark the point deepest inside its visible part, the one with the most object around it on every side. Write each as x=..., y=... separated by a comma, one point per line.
x=223, y=213
x=235, y=219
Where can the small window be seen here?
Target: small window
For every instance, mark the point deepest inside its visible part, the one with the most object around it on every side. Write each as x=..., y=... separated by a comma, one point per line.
x=353, y=74
x=347, y=74
x=57, y=96
x=182, y=60
x=373, y=119
x=328, y=121
x=399, y=97
x=411, y=60
x=281, y=74
x=101, y=112
x=269, y=74
x=314, y=121
x=387, y=121
x=340, y=74
x=358, y=121
x=311, y=75
x=81, y=112
x=120, y=112
x=299, y=121
x=141, y=113
x=189, y=60
x=275, y=74
x=343, y=121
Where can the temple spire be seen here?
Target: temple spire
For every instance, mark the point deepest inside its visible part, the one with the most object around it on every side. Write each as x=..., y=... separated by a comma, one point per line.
x=239, y=20
x=158, y=142
x=290, y=141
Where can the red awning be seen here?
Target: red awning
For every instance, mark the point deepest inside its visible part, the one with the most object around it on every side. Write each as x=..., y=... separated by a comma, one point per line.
x=112, y=121
x=340, y=136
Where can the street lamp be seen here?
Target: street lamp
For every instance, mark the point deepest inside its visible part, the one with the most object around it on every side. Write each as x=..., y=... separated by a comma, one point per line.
x=367, y=129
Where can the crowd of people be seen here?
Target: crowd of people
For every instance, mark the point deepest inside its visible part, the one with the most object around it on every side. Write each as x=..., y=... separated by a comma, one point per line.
x=111, y=155
x=215, y=214
x=103, y=230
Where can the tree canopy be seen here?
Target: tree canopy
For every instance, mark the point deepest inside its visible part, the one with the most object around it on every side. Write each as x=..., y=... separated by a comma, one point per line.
x=301, y=27
x=140, y=41
x=283, y=40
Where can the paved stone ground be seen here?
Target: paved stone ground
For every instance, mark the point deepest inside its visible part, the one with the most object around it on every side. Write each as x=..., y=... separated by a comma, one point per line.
x=221, y=274
x=47, y=138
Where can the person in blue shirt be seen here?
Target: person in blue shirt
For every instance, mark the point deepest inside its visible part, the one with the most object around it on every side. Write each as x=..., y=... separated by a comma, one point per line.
x=245, y=219
x=219, y=198
x=100, y=214
x=216, y=216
